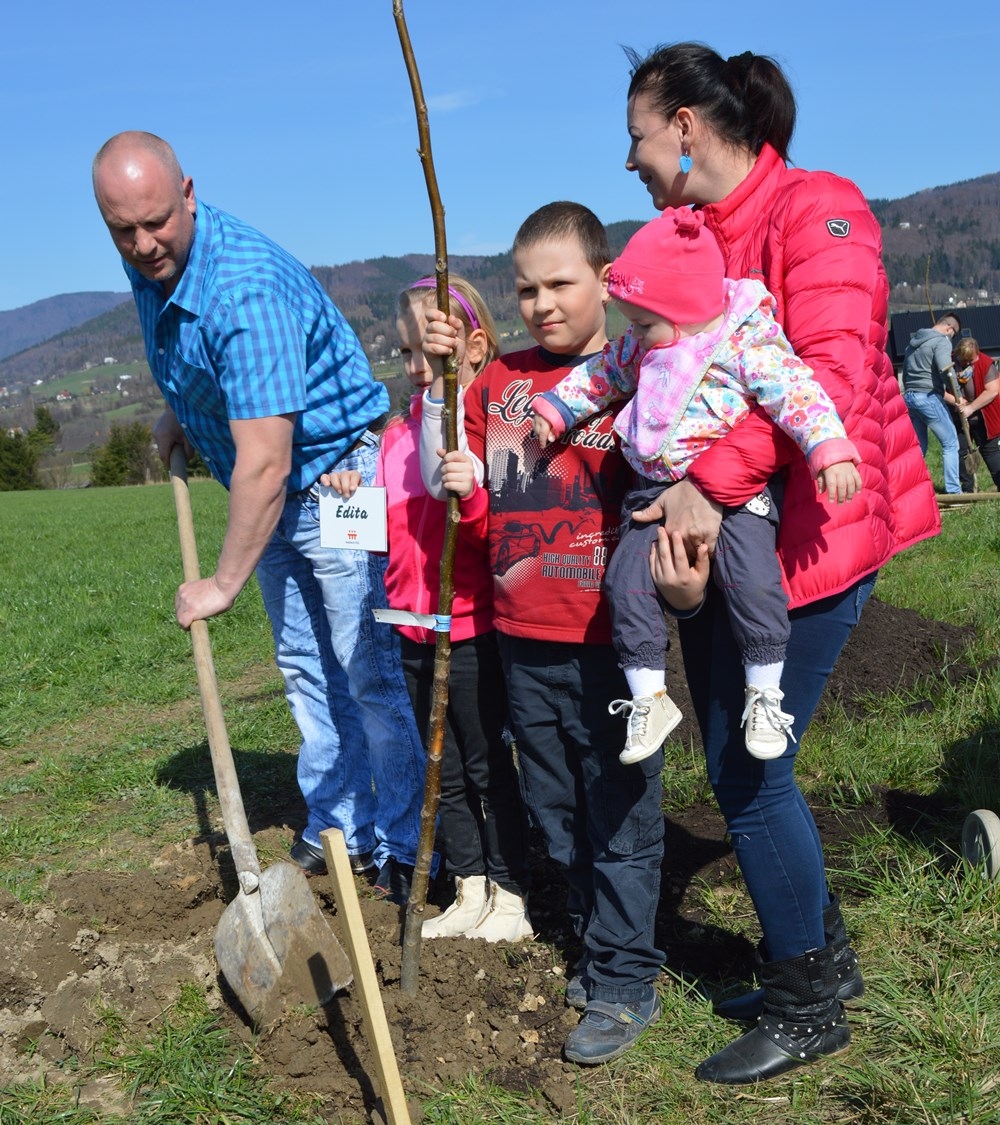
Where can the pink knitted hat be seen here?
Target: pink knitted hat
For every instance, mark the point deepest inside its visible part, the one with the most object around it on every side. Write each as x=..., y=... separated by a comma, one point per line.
x=672, y=267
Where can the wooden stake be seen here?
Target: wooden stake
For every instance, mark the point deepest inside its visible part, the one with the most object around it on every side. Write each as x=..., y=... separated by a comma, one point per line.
x=365, y=980
x=410, y=969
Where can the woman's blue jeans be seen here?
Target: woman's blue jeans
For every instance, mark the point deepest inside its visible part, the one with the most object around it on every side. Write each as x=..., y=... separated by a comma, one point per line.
x=772, y=830
x=361, y=762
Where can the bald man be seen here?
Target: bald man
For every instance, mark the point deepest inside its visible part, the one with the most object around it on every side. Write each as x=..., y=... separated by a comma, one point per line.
x=264, y=377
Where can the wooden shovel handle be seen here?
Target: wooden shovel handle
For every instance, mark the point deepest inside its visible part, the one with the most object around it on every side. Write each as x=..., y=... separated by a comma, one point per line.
x=226, y=782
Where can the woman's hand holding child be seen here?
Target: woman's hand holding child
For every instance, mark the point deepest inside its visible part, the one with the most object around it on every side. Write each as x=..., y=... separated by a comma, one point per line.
x=681, y=582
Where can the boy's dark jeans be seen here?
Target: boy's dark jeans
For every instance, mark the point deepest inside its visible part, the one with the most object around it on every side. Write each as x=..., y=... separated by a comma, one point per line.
x=602, y=820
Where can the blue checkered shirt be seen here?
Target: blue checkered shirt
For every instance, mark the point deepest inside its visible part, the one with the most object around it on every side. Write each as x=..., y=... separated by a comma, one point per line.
x=250, y=333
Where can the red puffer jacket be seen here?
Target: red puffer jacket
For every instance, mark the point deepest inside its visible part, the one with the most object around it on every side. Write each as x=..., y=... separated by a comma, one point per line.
x=811, y=238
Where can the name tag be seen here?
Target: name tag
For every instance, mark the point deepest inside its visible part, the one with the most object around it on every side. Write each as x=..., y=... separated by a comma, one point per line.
x=358, y=524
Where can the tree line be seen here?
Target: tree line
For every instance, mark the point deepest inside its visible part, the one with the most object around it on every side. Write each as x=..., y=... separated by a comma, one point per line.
x=127, y=457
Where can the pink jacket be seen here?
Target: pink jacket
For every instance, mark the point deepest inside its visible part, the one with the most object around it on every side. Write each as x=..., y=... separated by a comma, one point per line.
x=812, y=240
x=416, y=540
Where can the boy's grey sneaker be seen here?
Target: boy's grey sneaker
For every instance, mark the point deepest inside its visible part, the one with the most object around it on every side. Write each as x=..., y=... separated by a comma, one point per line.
x=576, y=992
x=768, y=728
x=650, y=719
x=607, y=1030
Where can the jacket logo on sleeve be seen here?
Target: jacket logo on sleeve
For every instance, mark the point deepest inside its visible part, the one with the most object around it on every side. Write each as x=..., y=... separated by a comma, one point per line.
x=839, y=228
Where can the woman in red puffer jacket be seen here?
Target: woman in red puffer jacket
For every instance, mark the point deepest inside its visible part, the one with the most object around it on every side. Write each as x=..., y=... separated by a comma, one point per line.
x=714, y=134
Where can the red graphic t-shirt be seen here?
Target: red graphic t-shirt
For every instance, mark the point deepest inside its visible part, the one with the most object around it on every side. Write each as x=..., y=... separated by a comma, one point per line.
x=552, y=516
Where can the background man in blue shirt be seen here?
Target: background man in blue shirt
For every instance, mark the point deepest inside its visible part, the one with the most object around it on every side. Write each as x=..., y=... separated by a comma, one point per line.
x=265, y=378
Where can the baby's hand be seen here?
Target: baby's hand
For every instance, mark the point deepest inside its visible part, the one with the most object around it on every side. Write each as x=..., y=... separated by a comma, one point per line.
x=457, y=473
x=681, y=582
x=542, y=430
x=345, y=482
x=440, y=333
x=839, y=481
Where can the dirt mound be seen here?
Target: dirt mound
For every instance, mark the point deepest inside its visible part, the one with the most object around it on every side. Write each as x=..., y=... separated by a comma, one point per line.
x=128, y=943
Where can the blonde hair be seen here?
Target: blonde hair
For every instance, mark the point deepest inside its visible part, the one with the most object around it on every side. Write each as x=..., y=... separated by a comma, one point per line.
x=966, y=351
x=424, y=296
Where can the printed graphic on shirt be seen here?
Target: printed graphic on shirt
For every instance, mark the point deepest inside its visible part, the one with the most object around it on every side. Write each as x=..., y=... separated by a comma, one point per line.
x=554, y=513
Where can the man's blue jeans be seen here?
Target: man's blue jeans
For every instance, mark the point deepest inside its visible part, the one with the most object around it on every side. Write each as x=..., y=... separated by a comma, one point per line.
x=929, y=412
x=361, y=761
x=602, y=821
x=771, y=827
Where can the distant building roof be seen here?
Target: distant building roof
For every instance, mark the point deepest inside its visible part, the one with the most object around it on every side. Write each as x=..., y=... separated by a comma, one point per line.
x=982, y=323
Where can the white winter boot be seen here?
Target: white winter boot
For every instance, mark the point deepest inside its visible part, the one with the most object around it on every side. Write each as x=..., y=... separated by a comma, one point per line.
x=469, y=905
x=504, y=919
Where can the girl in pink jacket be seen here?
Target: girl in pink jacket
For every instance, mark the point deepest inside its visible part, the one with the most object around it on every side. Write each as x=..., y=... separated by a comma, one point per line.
x=482, y=819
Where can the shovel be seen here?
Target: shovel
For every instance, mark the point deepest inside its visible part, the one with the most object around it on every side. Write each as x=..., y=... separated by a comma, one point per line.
x=271, y=942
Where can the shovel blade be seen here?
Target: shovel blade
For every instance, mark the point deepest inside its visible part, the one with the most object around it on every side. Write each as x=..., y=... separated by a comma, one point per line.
x=274, y=945
x=314, y=963
x=247, y=959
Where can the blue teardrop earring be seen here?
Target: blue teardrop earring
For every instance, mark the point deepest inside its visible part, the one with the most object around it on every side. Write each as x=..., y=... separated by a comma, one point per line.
x=684, y=160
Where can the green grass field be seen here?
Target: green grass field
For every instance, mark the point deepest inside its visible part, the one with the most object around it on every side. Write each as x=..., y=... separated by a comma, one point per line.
x=90, y=653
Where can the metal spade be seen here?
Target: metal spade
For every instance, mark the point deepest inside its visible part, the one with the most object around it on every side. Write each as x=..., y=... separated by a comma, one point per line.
x=272, y=943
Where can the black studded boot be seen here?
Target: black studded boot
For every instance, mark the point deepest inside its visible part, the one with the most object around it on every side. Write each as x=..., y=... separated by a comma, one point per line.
x=802, y=1020
x=850, y=983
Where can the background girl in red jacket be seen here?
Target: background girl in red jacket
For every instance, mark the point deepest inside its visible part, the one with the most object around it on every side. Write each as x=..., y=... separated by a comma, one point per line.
x=714, y=133
x=982, y=405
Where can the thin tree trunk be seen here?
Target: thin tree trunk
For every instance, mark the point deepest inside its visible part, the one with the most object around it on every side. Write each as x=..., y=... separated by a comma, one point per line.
x=442, y=650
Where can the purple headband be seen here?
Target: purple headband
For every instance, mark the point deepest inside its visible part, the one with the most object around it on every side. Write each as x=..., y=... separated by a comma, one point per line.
x=431, y=283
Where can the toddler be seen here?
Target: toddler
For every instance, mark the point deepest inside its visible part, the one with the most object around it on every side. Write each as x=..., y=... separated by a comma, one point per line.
x=700, y=352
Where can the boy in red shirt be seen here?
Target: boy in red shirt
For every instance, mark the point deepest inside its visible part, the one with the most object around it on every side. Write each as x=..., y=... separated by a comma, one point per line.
x=551, y=519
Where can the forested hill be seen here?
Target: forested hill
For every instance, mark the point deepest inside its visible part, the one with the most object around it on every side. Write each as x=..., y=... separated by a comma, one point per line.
x=957, y=227
x=20, y=328
x=366, y=292
x=949, y=236
x=115, y=333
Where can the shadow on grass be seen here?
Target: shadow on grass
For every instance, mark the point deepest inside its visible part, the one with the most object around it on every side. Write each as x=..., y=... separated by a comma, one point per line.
x=271, y=795
x=969, y=779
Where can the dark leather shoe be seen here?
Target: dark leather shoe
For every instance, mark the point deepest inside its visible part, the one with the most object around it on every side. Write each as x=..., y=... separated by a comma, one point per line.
x=766, y=1051
x=393, y=882
x=802, y=1020
x=313, y=862
x=362, y=862
x=310, y=858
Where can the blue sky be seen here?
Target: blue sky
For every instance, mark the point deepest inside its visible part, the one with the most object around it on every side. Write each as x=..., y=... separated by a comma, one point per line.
x=298, y=117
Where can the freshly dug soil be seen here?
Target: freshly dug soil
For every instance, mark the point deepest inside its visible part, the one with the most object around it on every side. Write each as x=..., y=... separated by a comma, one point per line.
x=128, y=943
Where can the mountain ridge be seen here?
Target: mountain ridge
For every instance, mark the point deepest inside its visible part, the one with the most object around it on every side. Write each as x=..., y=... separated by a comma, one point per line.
x=22, y=327
x=941, y=243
